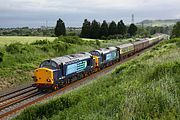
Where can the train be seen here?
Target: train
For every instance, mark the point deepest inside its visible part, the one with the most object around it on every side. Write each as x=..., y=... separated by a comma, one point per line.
x=58, y=72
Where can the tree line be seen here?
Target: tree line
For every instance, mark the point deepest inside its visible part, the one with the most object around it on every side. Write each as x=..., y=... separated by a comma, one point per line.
x=176, y=30
x=96, y=30
x=26, y=31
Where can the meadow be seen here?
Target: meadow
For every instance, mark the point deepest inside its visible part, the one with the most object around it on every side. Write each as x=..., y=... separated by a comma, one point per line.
x=146, y=87
x=6, y=40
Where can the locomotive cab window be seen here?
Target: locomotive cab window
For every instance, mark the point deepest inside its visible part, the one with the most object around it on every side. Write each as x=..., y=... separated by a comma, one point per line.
x=95, y=53
x=49, y=64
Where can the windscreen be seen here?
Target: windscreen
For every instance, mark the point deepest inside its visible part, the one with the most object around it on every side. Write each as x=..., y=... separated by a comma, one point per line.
x=95, y=53
x=49, y=64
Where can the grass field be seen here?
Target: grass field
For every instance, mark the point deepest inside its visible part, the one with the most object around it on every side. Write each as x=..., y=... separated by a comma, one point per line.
x=147, y=87
x=88, y=39
x=6, y=40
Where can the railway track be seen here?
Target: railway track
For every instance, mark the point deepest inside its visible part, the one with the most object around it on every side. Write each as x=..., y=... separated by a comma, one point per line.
x=16, y=98
x=12, y=103
x=14, y=94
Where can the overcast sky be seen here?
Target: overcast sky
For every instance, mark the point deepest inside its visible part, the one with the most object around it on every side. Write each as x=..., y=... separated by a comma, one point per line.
x=35, y=13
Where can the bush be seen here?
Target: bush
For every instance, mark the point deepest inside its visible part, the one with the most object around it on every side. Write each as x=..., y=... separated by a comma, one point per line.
x=49, y=109
x=103, y=37
x=178, y=43
x=111, y=37
x=60, y=47
x=20, y=48
x=14, y=48
x=98, y=43
x=174, y=40
x=164, y=69
x=71, y=34
x=45, y=48
x=40, y=42
x=147, y=56
x=70, y=39
x=176, y=30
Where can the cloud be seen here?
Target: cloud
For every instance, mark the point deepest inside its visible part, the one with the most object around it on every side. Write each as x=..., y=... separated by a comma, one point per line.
x=86, y=5
x=74, y=11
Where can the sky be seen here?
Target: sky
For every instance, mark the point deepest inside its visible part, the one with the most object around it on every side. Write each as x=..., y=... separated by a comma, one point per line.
x=36, y=13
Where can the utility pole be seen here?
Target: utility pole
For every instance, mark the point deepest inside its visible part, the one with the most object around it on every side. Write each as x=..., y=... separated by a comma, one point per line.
x=46, y=29
x=142, y=25
x=151, y=23
x=132, y=18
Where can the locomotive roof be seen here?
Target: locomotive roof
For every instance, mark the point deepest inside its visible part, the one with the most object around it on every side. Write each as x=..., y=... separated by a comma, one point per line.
x=71, y=58
x=153, y=38
x=102, y=50
x=124, y=45
x=112, y=48
x=105, y=50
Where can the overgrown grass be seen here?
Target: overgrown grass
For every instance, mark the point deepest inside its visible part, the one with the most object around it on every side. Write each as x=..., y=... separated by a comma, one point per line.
x=147, y=87
x=18, y=60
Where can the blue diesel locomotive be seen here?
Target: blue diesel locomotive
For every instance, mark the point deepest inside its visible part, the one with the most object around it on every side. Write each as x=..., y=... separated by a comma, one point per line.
x=57, y=72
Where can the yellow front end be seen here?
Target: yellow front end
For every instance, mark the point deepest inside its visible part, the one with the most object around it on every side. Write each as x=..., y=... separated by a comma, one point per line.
x=96, y=61
x=43, y=76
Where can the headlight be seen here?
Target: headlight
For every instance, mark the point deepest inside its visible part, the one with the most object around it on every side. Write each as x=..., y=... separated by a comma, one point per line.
x=35, y=79
x=48, y=80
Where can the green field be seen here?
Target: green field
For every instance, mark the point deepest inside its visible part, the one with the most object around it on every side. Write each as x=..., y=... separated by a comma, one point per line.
x=88, y=39
x=6, y=40
x=147, y=87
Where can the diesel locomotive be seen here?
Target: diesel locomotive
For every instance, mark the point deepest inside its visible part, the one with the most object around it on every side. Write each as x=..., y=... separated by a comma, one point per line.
x=57, y=72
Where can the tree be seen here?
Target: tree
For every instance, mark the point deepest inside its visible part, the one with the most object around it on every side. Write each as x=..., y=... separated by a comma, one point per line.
x=1, y=56
x=98, y=43
x=95, y=30
x=176, y=30
x=142, y=32
x=132, y=30
x=112, y=28
x=104, y=29
x=121, y=28
x=60, y=28
x=85, y=32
